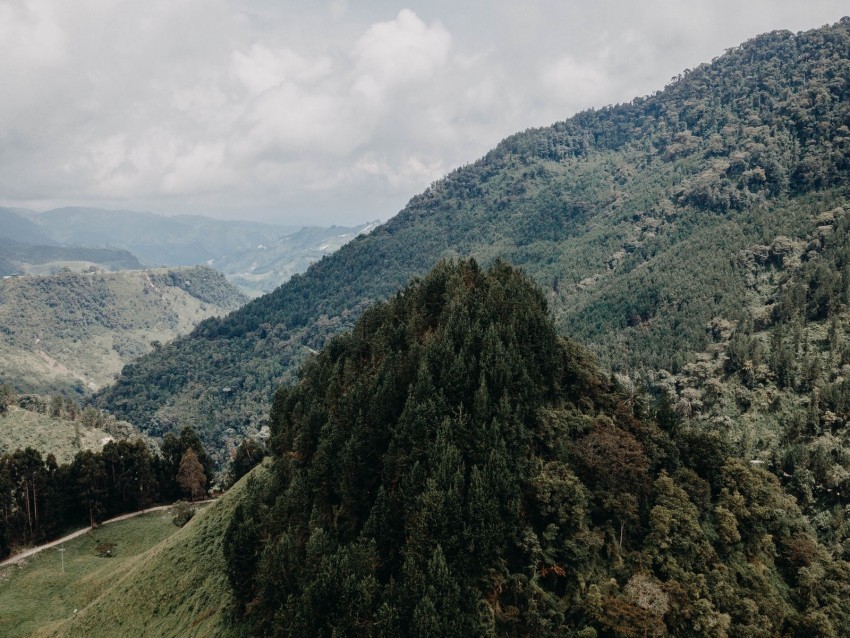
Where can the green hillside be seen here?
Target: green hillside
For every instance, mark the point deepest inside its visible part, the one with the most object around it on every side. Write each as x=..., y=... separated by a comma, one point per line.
x=452, y=467
x=61, y=436
x=73, y=332
x=630, y=218
x=175, y=588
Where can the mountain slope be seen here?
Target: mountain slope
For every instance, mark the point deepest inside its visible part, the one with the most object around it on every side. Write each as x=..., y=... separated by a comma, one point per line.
x=628, y=216
x=452, y=467
x=75, y=331
x=17, y=227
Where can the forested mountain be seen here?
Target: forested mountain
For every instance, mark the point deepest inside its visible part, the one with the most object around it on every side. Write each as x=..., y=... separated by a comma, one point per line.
x=73, y=332
x=452, y=467
x=630, y=217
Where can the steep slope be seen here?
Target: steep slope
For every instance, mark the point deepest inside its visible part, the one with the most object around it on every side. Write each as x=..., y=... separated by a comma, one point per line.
x=75, y=331
x=452, y=467
x=177, y=588
x=628, y=216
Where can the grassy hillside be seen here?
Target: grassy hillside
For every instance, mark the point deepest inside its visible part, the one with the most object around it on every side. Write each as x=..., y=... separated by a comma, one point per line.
x=20, y=429
x=176, y=588
x=74, y=331
x=629, y=217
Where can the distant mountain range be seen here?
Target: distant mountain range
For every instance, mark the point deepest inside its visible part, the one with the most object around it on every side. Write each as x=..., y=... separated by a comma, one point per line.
x=257, y=257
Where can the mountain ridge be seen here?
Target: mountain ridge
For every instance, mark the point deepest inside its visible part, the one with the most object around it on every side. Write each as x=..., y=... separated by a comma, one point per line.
x=625, y=215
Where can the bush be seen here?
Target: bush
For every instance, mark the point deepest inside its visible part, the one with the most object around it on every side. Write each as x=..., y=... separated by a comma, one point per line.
x=182, y=513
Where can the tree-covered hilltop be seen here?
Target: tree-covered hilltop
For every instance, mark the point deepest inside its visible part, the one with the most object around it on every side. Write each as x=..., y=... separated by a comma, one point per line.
x=453, y=467
x=629, y=217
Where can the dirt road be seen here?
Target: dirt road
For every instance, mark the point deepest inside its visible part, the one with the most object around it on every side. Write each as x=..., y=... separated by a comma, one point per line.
x=35, y=550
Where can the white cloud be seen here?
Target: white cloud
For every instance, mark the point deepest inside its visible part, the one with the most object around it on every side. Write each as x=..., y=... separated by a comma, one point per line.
x=397, y=53
x=326, y=112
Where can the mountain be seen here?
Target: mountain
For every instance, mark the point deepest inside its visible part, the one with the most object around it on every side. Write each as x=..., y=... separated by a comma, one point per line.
x=630, y=217
x=184, y=240
x=18, y=258
x=452, y=467
x=266, y=266
x=73, y=332
x=15, y=226
x=255, y=257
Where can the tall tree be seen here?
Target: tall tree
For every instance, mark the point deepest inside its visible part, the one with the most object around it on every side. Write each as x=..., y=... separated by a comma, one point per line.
x=190, y=475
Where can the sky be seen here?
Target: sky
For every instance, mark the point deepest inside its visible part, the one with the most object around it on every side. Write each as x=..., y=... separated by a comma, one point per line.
x=316, y=112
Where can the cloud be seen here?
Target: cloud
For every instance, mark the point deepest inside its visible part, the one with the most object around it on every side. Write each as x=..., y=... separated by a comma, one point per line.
x=318, y=112
x=398, y=53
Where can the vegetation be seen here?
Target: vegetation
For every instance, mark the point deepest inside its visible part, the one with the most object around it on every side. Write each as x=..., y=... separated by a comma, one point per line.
x=72, y=332
x=178, y=588
x=39, y=498
x=629, y=217
x=17, y=258
x=56, y=425
x=452, y=467
x=37, y=596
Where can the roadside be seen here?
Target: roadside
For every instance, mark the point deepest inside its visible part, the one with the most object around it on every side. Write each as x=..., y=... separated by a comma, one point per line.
x=35, y=550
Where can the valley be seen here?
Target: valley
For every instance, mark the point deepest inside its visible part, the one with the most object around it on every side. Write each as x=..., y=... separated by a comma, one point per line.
x=595, y=383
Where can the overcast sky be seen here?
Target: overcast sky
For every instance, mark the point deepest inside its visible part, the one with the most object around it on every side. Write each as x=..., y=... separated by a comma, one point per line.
x=320, y=112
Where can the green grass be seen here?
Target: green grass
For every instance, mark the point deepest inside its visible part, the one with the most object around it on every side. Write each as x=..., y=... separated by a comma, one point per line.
x=20, y=429
x=36, y=594
x=162, y=582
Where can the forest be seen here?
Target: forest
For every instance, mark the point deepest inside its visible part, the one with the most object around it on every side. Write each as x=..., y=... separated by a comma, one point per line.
x=629, y=217
x=453, y=467
x=40, y=499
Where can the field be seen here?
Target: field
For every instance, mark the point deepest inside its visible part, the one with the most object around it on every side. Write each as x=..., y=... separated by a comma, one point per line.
x=37, y=595
x=160, y=581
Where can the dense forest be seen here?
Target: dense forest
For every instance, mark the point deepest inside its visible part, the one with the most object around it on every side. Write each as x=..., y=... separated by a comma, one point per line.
x=453, y=467
x=629, y=217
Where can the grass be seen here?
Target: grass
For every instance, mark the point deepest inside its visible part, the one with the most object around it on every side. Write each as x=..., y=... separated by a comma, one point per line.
x=36, y=594
x=162, y=581
x=20, y=429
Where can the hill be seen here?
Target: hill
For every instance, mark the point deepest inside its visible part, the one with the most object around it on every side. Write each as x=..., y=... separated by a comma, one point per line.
x=629, y=217
x=73, y=332
x=452, y=467
x=61, y=435
x=16, y=226
x=177, y=587
x=255, y=257
x=17, y=258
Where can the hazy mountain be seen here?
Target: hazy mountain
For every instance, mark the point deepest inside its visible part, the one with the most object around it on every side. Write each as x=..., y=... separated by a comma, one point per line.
x=19, y=258
x=15, y=226
x=270, y=264
x=630, y=217
x=155, y=239
x=75, y=331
